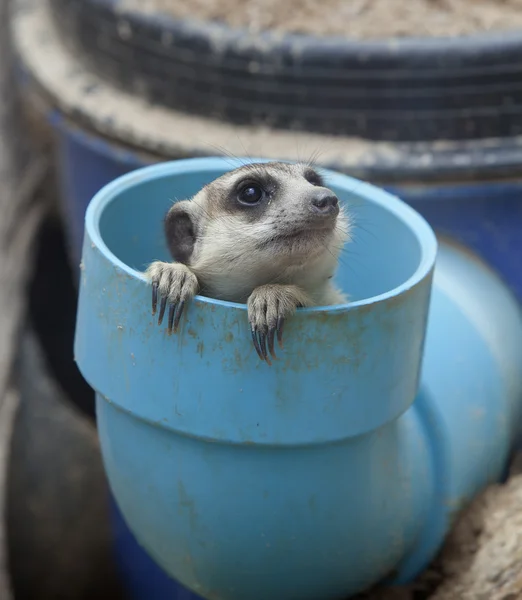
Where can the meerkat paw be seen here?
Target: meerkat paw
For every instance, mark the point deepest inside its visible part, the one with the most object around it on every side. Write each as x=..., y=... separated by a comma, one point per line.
x=172, y=283
x=268, y=308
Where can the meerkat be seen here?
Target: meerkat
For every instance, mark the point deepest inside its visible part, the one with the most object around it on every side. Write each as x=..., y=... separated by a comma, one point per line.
x=265, y=234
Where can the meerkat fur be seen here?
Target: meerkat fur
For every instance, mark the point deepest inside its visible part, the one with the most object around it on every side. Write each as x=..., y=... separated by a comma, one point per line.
x=265, y=234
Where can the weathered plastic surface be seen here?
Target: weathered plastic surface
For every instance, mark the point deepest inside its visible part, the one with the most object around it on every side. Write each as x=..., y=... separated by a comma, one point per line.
x=319, y=476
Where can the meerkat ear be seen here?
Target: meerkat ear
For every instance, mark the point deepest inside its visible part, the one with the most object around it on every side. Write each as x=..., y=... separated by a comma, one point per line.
x=180, y=231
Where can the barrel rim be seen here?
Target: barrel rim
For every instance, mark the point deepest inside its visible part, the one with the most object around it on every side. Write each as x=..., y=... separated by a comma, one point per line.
x=408, y=90
x=81, y=106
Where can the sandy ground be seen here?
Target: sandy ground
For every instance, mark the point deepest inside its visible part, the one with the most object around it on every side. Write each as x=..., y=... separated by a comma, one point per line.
x=362, y=19
x=20, y=170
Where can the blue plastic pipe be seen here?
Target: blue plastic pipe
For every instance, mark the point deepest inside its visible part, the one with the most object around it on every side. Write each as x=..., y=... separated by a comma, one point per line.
x=344, y=463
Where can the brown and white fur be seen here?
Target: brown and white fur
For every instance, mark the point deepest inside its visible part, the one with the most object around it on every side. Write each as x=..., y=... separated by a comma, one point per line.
x=266, y=234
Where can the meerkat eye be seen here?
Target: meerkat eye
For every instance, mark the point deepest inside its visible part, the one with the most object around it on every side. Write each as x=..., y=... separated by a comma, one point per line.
x=250, y=193
x=313, y=177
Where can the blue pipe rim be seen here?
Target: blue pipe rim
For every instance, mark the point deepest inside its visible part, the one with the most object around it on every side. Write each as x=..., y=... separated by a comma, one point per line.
x=422, y=230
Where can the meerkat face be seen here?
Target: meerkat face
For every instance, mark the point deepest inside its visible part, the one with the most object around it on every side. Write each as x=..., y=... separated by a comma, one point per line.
x=257, y=223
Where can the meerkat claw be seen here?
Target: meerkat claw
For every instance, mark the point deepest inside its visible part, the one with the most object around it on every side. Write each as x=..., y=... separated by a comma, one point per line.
x=268, y=308
x=279, y=330
x=154, y=298
x=256, y=344
x=172, y=313
x=271, y=339
x=173, y=284
x=163, y=306
x=262, y=343
x=181, y=306
x=259, y=340
x=175, y=312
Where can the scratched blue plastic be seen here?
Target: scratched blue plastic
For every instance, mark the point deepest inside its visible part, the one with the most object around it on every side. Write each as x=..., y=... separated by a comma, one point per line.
x=333, y=469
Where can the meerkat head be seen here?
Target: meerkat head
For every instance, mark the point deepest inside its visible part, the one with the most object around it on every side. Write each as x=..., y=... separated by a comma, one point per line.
x=261, y=223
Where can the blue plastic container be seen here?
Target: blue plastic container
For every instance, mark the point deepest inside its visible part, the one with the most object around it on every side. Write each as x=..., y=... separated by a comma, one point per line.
x=482, y=215
x=338, y=466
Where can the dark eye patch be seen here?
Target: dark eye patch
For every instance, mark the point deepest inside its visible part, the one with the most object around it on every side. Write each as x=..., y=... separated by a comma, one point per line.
x=253, y=190
x=250, y=193
x=313, y=177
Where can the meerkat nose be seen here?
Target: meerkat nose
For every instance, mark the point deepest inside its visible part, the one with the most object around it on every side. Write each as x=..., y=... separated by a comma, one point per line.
x=325, y=203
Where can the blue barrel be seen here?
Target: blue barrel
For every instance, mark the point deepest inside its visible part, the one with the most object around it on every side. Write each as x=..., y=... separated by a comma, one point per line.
x=484, y=216
x=315, y=478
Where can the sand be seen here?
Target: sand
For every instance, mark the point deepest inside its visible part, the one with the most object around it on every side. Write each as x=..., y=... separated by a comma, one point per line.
x=361, y=19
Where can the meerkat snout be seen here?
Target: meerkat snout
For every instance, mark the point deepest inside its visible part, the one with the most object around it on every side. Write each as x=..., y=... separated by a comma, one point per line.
x=268, y=234
x=325, y=203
